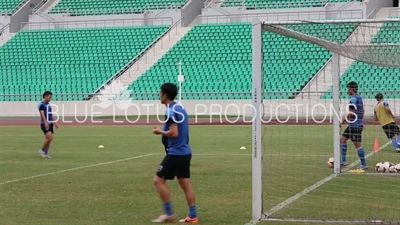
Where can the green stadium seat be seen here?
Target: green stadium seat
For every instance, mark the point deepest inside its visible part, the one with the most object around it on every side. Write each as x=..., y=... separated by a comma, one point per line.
x=9, y=5
x=376, y=77
x=217, y=58
x=69, y=61
x=105, y=7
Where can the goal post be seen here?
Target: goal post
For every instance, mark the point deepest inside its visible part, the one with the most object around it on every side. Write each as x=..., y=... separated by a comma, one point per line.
x=257, y=142
x=300, y=70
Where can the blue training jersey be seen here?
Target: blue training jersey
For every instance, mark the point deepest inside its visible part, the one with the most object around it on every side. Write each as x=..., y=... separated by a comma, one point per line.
x=356, y=103
x=46, y=107
x=176, y=114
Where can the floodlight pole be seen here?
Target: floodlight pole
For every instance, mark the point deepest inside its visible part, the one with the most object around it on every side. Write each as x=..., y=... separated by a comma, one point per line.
x=336, y=107
x=181, y=78
x=257, y=99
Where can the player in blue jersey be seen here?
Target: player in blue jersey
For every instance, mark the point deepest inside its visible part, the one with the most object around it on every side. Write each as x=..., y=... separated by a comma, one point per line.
x=177, y=161
x=355, y=127
x=46, y=123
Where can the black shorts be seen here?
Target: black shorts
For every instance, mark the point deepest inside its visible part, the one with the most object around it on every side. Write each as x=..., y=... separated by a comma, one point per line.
x=391, y=130
x=353, y=133
x=48, y=130
x=174, y=166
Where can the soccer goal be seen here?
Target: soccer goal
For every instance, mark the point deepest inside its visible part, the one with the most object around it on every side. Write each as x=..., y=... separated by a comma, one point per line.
x=300, y=74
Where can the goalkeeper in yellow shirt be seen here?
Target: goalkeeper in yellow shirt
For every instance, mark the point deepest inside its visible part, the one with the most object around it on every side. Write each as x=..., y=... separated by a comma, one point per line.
x=384, y=115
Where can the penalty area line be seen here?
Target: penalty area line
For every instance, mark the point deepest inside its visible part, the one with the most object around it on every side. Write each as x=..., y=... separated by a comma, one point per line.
x=74, y=169
x=295, y=197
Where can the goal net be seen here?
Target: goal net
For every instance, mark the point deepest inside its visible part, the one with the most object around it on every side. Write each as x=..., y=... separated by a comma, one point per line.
x=301, y=70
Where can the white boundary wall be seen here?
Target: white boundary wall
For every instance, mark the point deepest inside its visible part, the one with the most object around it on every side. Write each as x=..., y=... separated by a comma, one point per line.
x=274, y=108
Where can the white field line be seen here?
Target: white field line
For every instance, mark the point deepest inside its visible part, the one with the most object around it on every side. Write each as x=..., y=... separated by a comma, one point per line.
x=123, y=136
x=74, y=169
x=316, y=185
x=249, y=154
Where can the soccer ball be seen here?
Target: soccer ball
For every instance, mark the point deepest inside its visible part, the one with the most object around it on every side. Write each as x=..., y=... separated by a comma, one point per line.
x=387, y=166
x=380, y=168
x=397, y=168
x=330, y=162
x=392, y=168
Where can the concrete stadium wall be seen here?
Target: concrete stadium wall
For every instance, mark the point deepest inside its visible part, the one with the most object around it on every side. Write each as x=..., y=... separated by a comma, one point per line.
x=212, y=15
x=377, y=4
x=175, y=14
x=273, y=108
x=19, y=17
x=4, y=20
x=191, y=10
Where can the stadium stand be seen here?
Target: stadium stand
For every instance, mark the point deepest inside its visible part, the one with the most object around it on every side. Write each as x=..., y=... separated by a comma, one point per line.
x=217, y=57
x=377, y=77
x=9, y=5
x=66, y=60
x=104, y=7
x=277, y=4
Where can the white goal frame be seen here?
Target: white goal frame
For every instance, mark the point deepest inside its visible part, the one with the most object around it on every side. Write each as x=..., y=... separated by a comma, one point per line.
x=257, y=101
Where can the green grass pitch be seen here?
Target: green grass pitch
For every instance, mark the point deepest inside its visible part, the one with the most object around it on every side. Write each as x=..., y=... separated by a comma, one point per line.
x=82, y=184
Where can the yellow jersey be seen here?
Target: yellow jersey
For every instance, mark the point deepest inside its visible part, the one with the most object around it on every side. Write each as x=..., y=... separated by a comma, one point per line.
x=381, y=113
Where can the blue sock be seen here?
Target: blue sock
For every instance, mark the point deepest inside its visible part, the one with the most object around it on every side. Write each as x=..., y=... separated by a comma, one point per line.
x=361, y=154
x=45, y=150
x=168, y=208
x=192, y=211
x=394, y=143
x=343, y=147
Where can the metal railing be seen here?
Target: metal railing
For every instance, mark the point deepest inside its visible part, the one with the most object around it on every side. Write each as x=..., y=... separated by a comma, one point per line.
x=279, y=16
x=306, y=88
x=219, y=9
x=46, y=17
x=97, y=23
x=3, y=28
x=306, y=4
x=109, y=11
x=207, y=3
x=174, y=26
x=172, y=6
x=142, y=54
x=283, y=96
x=20, y=5
x=274, y=5
x=345, y=5
x=371, y=13
x=38, y=6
